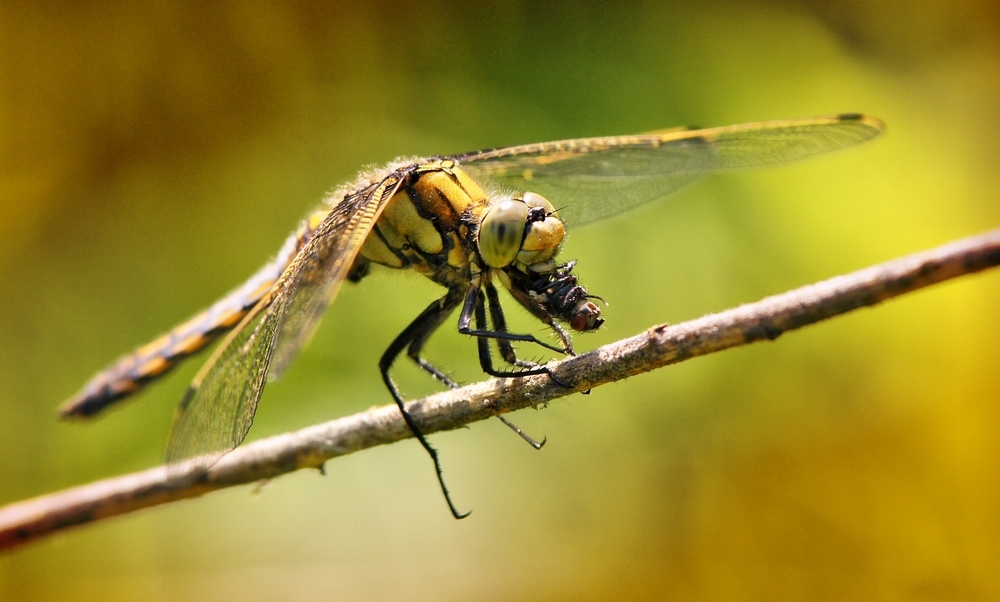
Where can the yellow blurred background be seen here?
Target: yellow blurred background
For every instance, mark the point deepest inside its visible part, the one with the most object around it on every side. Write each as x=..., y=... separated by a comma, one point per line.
x=153, y=155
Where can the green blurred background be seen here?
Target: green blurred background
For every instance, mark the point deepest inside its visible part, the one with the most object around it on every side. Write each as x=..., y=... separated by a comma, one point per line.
x=153, y=155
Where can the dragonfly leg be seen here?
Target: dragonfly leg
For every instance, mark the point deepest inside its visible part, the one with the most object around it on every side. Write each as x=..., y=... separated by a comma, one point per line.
x=522, y=434
x=417, y=331
x=539, y=312
x=500, y=325
x=508, y=354
x=429, y=326
x=486, y=359
x=472, y=303
x=474, y=306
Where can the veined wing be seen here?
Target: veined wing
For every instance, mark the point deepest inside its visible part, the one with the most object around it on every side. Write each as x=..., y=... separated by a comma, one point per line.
x=219, y=407
x=598, y=177
x=153, y=360
x=319, y=273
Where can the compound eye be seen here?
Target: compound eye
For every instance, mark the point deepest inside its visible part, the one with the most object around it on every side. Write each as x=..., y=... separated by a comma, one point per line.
x=588, y=317
x=533, y=200
x=501, y=232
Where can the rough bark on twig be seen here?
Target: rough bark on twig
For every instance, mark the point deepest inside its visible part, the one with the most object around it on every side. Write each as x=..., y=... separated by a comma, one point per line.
x=658, y=346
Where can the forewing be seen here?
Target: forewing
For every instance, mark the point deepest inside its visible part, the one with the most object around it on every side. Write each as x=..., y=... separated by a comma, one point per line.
x=218, y=410
x=594, y=178
x=322, y=266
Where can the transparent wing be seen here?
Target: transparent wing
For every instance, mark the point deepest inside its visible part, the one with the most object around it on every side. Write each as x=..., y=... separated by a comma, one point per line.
x=322, y=267
x=594, y=178
x=217, y=411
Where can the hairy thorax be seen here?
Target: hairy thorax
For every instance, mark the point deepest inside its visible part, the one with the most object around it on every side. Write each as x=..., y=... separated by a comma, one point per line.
x=429, y=225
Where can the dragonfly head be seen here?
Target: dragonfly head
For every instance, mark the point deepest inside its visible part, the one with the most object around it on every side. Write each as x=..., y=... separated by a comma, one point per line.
x=521, y=236
x=522, y=231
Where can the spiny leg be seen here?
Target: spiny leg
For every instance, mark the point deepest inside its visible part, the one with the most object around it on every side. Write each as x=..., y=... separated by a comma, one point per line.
x=472, y=305
x=500, y=325
x=449, y=304
x=419, y=329
x=503, y=338
x=535, y=309
x=506, y=350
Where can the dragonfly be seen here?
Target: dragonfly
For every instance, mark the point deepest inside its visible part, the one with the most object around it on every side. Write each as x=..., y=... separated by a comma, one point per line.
x=468, y=222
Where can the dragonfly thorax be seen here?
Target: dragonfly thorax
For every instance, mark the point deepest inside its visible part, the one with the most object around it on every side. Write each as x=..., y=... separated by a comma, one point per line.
x=427, y=225
x=442, y=224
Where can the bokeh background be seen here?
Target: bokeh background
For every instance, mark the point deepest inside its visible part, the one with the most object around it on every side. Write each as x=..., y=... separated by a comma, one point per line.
x=154, y=154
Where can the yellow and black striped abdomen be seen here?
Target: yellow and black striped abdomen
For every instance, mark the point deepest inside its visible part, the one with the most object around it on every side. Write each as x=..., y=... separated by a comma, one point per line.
x=421, y=228
x=133, y=371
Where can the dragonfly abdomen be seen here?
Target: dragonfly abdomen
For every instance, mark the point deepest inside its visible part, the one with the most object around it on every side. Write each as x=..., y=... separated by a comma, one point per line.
x=147, y=363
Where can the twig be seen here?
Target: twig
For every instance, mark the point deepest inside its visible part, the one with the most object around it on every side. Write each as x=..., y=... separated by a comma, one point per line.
x=658, y=346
